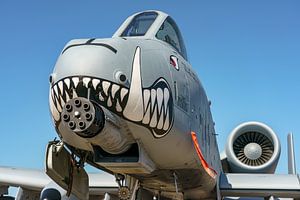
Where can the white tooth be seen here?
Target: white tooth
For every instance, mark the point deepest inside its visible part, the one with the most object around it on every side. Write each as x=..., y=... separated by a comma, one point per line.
x=146, y=118
x=59, y=108
x=55, y=113
x=52, y=94
x=62, y=101
x=118, y=107
x=74, y=93
x=134, y=109
x=101, y=97
x=86, y=82
x=124, y=91
x=67, y=82
x=167, y=123
x=67, y=97
x=161, y=121
x=105, y=86
x=75, y=81
x=146, y=98
x=166, y=98
x=153, y=121
x=153, y=97
x=95, y=83
x=61, y=87
x=114, y=89
x=160, y=97
x=109, y=103
x=55, y=91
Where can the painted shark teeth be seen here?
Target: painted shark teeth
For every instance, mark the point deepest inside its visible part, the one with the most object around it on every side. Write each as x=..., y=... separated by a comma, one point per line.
x=54, y=111
x=157, y=107
x=124, y=92
x=105, y=86
x=67, y=82
x=150, y=107
x=107, y=93
x=114, y=89
x=95, y=83
x=75, y=81
x=86, y=81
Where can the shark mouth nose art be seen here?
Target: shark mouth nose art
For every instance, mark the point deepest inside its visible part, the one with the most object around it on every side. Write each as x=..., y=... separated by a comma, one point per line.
x=151, y=107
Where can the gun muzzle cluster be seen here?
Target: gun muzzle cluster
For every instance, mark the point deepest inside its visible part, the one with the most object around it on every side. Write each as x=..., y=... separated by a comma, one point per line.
x=84, y=117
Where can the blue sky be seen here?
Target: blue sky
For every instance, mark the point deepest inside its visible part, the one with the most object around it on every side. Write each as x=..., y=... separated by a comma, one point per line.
x=247, y=55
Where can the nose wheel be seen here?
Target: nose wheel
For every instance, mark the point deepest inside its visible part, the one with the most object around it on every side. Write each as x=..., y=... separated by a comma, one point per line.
x=124, y=193
x=128, y=191
x=83, y=117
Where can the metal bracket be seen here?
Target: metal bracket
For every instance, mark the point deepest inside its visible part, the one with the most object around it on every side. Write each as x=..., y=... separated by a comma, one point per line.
x=291, y=154
x=175, y=182
x=120, y=179
x=62, y=168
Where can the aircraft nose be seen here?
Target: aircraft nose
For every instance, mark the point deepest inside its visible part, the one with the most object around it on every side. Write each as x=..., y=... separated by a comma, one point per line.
x=93, y=76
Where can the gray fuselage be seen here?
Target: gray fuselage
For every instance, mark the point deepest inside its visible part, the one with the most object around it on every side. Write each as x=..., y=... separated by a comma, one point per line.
x=148, y=101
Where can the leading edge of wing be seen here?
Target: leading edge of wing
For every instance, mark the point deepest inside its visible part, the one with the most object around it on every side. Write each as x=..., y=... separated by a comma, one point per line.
x=35, y=179
x=27, y=178
x=260, y=185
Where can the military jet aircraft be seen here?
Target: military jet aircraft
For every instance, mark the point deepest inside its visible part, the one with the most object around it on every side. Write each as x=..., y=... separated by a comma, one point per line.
x=133, y=107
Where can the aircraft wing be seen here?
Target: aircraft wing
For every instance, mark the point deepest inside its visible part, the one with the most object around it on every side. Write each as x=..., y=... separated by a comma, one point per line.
x=26, y=178
x=260, y=185
x=33, y=182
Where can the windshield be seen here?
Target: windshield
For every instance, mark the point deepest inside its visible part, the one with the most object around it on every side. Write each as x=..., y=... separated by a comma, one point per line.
x=140, y=24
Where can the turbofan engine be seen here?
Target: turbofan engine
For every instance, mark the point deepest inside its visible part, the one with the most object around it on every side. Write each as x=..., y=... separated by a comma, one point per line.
x=252, y=147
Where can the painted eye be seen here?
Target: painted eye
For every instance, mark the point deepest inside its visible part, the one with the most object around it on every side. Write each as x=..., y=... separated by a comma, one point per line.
x=51, y=78
x=121, y=77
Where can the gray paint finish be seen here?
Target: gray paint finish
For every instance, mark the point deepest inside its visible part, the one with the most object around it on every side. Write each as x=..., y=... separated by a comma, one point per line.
x=260, y=185
x=157, y=124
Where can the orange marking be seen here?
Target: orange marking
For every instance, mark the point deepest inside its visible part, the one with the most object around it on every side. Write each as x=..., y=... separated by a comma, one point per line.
x=206, y=166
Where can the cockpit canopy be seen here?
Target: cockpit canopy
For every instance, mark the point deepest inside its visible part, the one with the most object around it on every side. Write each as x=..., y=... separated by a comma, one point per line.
x=153, y=25
x=140, y=24
x=170, y=33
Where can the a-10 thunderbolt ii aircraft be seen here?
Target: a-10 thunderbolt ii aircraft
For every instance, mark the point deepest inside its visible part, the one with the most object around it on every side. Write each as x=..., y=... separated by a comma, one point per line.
x=132, y=106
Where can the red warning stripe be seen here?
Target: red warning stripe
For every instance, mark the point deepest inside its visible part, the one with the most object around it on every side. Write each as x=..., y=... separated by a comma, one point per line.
x=206, y=166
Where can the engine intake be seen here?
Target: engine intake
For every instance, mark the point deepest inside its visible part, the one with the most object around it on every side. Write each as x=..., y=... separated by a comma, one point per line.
x=252, y=147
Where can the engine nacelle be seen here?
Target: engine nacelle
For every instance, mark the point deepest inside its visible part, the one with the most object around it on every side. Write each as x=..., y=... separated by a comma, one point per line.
x=252, y=147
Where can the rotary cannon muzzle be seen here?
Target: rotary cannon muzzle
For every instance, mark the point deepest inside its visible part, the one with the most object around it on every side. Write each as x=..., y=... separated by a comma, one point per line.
x=84, y=117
